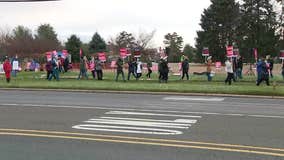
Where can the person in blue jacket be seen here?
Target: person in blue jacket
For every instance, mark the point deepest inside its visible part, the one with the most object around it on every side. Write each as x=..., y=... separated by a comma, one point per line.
x=262, y=72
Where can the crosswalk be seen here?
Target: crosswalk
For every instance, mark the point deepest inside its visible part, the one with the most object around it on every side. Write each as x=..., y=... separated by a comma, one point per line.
x=140, y=123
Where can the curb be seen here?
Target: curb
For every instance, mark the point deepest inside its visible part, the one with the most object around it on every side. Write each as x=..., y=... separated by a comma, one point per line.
x=142, y=92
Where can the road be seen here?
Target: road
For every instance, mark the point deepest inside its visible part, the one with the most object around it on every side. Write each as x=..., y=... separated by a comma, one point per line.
x=39, y=125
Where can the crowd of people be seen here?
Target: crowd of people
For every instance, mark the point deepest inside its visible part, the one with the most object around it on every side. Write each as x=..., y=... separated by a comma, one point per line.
x=233, y=68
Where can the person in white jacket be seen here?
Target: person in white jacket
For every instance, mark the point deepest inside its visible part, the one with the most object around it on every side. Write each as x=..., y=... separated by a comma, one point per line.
x=139, y=70
x=229, y=70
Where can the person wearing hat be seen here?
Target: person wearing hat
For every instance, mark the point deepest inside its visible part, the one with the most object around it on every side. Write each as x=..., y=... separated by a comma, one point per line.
x=7, y=69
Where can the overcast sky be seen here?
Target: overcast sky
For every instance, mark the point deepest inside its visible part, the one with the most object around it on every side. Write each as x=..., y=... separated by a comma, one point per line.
x=108, y=17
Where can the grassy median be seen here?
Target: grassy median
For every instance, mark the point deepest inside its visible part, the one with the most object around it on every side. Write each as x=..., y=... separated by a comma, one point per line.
x=196, y=84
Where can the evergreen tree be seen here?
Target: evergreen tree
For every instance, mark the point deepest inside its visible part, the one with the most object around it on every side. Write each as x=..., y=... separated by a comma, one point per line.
x=73, y=45
x=173, y=44
x=258, y=28
x=97, y=44
x=46, y=38
x=219, y=27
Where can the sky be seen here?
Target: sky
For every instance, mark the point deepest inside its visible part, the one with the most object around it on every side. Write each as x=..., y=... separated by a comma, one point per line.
x=108, y=17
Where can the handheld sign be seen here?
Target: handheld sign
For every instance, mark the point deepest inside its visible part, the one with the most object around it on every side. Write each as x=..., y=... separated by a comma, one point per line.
x=15, y=65
x=137, y=53
x=281, y=54
x=102, y=56
x=230, y=51
x=123, y=53
x=205, y=52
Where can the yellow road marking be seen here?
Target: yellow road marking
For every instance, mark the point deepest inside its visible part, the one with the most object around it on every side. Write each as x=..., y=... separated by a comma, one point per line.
x=146, y=139
x=144, y=143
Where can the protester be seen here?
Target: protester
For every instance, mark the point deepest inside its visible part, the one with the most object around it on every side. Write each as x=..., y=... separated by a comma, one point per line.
x=139, y=69
x=61, y=64
x=208, y=68
x=54, y=71
x=119, y=69
x=92, y=67
x=185, y=67
x=240, y=68
x=99, y=68
x=7, y=69
x=262, y=72
x=163, y=70
x=83, y=68
x=149, y=68
x=15, y=66
x=66, y=64
x=132, y=65
x=270, y=63
x=229, y=70
x=48, y=68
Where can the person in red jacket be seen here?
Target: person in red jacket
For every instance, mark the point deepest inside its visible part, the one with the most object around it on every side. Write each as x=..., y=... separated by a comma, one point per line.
x=7, y=69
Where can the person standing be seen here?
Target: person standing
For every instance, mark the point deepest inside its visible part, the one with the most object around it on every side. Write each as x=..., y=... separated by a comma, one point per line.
x=99, y=68
x=132, y=65
x=164, y=71
x=119, y=69
x=149, y=67
x=240, y=68
x=262, y=72
x=83, y=68
x=48, y=68
x=230, y=71
x=15, y=66
x=208, y=68
x=55, y=71
x=139, y=69
x=7, y=69
x=270, y=63
x=92, y=67
x=185, y=67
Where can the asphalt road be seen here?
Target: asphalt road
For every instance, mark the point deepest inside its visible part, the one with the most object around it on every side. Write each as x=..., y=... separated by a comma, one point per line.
x=65, y=126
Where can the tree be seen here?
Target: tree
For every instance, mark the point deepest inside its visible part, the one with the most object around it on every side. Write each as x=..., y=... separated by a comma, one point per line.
x=258, y=28
x=127, y=40
x=46, y=38
x=21, y=41
x=173, y=44
x=97, y=44
x=219, y=25
x=73, y=45
x=190, y=52
x=5, y=37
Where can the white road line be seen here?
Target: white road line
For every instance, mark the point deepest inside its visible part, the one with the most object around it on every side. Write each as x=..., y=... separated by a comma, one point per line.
x=122, y=129
x=150, y=114
x=137, y=123
x=192, y=121
x=174, y=98
x=265, y=116
x=140, y=110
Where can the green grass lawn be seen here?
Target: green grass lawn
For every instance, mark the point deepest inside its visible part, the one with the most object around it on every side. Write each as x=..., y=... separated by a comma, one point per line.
x=196, y=84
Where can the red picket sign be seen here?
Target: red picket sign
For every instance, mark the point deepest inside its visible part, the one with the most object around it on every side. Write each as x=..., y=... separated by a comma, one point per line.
x=230, y=51
x=102, y=56
x=123, y=52
x=281, y=54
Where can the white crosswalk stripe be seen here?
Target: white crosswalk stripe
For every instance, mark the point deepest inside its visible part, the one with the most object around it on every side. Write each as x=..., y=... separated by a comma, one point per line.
x=139, y=125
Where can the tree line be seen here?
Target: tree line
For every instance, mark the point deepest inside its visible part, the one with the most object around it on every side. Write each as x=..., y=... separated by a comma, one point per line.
x=24, y=43
x=245, y=24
